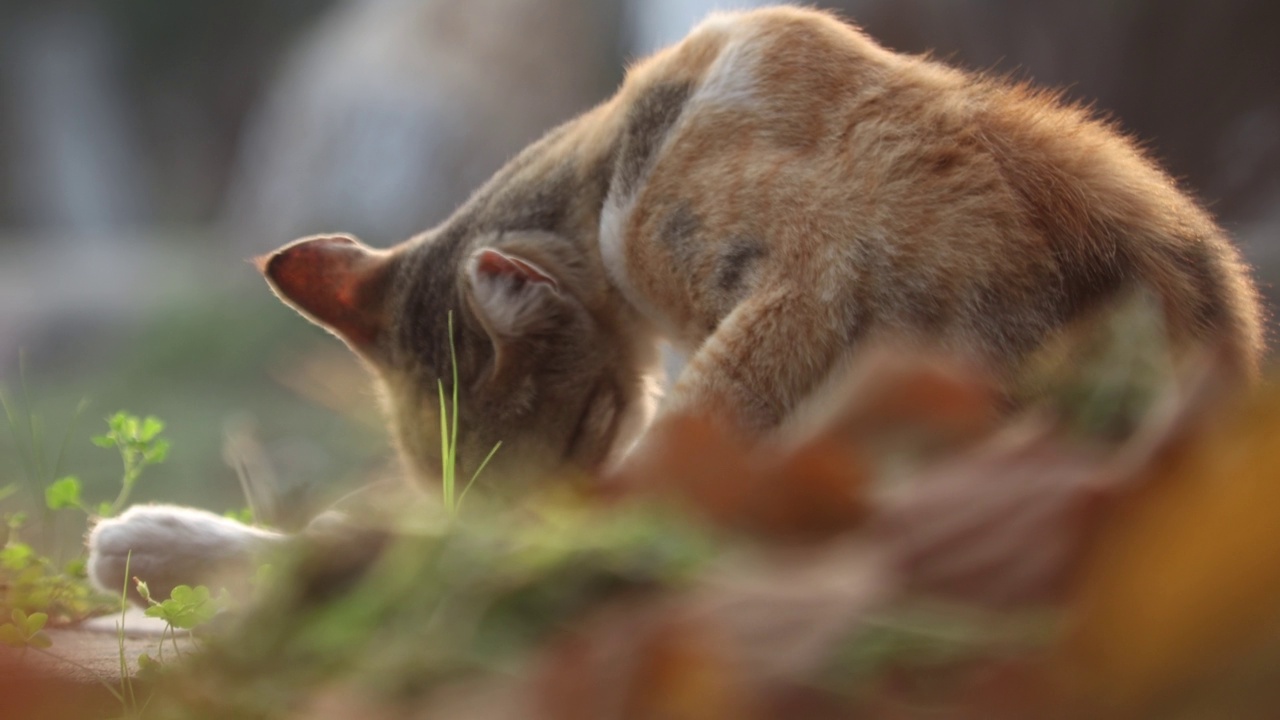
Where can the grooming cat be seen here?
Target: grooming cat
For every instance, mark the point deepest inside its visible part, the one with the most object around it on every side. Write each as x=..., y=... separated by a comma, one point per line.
x=767, y=195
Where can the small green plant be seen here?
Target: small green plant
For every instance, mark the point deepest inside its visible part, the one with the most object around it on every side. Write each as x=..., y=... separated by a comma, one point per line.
x=33, y=583
x=140, y=446
x=186, y=609
x=449, y=439
x=29, y=433
x=64, y=493
x=37, y=594
x=25, y=630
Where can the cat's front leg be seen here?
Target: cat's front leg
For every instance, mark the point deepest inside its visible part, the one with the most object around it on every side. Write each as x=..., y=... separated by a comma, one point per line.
x=167, y=546
x=746, y=379
x=762, y=359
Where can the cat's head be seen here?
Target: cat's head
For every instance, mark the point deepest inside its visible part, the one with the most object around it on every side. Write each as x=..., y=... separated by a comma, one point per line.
x=542, y=364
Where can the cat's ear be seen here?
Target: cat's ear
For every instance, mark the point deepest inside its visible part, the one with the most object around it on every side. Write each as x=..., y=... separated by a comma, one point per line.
x=513, y=294
x=335, y=281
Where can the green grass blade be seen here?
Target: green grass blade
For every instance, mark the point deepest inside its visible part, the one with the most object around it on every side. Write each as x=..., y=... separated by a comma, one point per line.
x=453, y=440
x=23, y=450
x=126, y=680
x=479, y=470
x=66, y=437
x=34, y=432
x=445, y=461
x=37, y=449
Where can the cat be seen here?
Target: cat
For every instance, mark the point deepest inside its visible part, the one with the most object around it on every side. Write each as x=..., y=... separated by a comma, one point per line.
x=769, y=195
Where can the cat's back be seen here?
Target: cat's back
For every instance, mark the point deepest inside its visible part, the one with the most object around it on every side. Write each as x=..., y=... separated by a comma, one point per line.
x=783, y=150
x=719, y=135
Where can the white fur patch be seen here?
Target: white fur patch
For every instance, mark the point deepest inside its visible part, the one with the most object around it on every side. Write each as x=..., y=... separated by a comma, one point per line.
x=614, y=220
x=731, y=80
x=613, y=237
x=167, y=546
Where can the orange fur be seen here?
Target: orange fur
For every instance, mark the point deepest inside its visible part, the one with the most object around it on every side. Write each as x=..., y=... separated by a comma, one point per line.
x=768, y=194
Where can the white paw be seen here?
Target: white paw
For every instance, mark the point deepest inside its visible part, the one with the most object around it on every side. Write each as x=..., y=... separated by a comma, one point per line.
x=167, y=546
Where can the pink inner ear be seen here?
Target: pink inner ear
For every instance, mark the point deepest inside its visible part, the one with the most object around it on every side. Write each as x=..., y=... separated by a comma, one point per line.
x=335, y=280
x=494, y=263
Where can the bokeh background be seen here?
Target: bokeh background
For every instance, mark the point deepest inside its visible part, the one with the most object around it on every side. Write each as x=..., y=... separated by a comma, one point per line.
x=148, y=147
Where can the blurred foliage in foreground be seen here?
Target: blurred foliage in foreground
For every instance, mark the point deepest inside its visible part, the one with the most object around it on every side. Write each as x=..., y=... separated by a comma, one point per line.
x=910, y=552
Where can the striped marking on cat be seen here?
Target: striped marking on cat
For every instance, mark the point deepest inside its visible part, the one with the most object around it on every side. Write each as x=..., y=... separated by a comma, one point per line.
x=737, y=261
x=732, y=80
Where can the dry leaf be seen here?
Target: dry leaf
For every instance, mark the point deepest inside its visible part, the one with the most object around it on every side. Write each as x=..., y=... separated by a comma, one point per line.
x=891, y=395
x=1002, y=525
x=813, y=481
x=1185, y=579
x=815, y=491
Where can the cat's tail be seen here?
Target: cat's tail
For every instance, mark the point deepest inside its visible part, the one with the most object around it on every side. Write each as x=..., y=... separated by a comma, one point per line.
x=166, y=546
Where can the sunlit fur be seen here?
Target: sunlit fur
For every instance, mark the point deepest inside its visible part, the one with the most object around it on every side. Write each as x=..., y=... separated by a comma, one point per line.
x=768, y=195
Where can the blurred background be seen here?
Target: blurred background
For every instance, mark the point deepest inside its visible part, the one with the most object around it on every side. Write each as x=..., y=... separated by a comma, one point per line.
x=148, y=147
